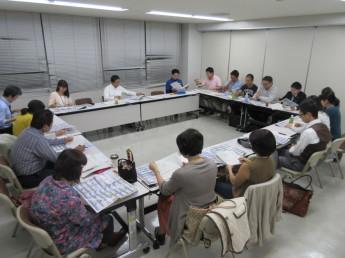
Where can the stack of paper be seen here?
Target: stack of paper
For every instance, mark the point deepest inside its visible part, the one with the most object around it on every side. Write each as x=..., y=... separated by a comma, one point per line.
x=229, y=157
x=146, y=176
x=102, y=190
x=207, y=153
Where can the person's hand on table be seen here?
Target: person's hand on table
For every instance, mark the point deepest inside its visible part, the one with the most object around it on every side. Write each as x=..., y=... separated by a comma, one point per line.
x=154, y=168
x=80, y=148
x=140, y=94
x=68, y=139
x=229, y=167
x=289, y=125
x=243, y=160
x=298, y=125
x=11, y=120
x=60, y=132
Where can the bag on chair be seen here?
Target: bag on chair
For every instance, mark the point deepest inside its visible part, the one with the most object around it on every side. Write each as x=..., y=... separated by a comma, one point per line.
x=297, y=198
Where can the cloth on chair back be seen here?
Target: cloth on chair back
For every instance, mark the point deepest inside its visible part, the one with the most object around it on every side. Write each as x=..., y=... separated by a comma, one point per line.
x=231, y=220
x=264, y=208
x=6, y=142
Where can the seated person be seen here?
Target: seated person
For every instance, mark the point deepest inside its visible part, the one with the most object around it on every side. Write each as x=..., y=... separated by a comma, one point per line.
x=58, y=209
x=314, y=138
x=234, y=84
x=213, y=82
x=295, y=94
x=60, y=97
x=116, y=91
x=32, y=156
x=322, y=116
x=330, y=103
x=174, y=84
x=191, y=185
x=267, y=92
x=254, y=170
x=249, y=88
x=23, y=120
x=11, y=93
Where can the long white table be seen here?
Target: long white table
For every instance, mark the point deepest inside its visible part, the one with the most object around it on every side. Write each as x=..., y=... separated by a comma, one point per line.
x=108, y=114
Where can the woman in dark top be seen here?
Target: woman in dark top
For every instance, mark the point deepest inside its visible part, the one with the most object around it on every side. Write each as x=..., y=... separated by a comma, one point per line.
x=295, y=94
x=330, y=103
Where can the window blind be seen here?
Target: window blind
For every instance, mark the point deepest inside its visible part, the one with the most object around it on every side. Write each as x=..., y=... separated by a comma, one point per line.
x=22, y=56
x=73, y=51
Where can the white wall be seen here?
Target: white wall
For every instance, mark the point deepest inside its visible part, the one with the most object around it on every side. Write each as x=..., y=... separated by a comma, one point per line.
x=314, y=56
x=191, y=53
x=216, y=50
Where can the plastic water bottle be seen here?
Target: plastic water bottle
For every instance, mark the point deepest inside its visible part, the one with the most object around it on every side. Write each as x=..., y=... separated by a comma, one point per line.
x=291, y=120
x=246, y=98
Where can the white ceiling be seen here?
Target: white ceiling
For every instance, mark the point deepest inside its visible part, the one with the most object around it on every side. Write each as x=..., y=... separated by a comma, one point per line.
x=236, y=9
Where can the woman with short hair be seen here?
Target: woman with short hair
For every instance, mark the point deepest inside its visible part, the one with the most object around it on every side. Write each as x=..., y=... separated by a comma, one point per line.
x=254, y=170
x=192, y=185
x=57, y=208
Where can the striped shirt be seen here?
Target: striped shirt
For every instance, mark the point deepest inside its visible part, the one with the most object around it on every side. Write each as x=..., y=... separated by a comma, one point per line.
x=32, y=150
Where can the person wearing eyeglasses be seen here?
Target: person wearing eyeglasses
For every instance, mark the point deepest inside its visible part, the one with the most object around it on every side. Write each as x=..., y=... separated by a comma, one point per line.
x=314, y=138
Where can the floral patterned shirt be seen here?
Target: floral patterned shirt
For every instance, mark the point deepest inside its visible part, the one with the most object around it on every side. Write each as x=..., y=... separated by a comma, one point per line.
x=57, y=208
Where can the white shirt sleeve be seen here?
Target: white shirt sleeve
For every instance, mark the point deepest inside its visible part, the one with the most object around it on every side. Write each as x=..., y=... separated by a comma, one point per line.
x=308, y=137
x=106, y=94
x=128, y=92
x=273, y=93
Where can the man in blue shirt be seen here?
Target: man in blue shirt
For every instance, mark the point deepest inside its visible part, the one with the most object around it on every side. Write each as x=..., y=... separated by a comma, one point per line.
x=11, y=93
x=174, y=84
x=234, y=84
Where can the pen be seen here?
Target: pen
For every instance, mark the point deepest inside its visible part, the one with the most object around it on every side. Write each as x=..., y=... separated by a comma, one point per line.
x=282, y=133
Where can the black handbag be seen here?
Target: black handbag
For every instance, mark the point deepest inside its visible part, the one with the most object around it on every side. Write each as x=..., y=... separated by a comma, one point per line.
x=244, y=142
x=126, y=168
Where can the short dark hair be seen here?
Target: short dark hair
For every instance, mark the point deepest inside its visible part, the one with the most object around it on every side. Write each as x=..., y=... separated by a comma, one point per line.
x=235, y=73
x=329, y=94
x=268, y=79
x=317, y=101
x=173, y=71
x=33, y=106
x=327, y=90
x=114, y=78
x=209, y=70
x=42, y=118
x=331, y=98
x=251, y=76
x=12, y=91
x=190, y=142
x=62, y=84
x=296, y=85
x=309, y=106
x=69, y=165
x=263, y=142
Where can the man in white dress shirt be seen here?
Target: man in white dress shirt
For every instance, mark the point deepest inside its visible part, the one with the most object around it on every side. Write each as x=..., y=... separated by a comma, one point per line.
x=314, y=138
x=116, y=91
x=267, y=93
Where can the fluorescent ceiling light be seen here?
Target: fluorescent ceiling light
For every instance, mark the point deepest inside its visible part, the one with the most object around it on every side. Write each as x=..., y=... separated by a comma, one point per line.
x=190, y=16
x=73, y=4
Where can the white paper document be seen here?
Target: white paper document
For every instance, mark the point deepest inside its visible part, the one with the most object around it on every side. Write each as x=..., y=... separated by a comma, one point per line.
x=280, y=138
x=229, y=157
x=102, y=190
x=166, y=167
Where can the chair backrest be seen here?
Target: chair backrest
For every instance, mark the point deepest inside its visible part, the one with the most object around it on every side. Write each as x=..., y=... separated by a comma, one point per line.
x=40, y=236
x=6, y=142
x=7, y=173
x=274, y=180
x=83, y=101
x=157, y=92
x=315, y=159
x=5, y=198
x=336, y=144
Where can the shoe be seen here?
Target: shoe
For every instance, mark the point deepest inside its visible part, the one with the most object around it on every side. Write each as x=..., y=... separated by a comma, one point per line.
x=159, y=237
x=117, y=237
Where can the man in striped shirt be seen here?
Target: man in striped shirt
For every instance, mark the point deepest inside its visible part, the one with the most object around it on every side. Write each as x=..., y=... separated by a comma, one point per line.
x=32, y=156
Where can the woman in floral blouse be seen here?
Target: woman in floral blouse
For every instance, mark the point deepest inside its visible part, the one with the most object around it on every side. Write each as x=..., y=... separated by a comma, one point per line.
x=57, y=208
